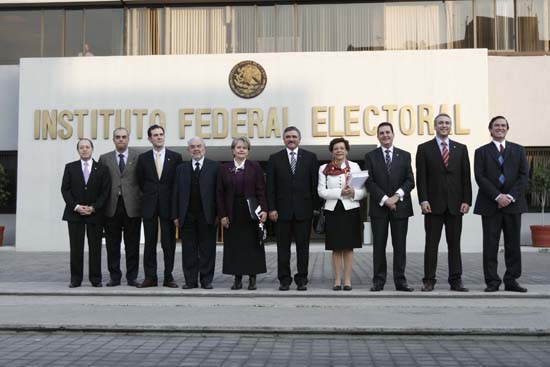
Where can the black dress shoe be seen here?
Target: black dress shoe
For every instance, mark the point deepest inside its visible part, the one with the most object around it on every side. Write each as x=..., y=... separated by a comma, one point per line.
x=337, y=287
x=284, y=287
x=491, y=288
x=514, y=288
x=237, y=283
x=301, y=287
x=189, y=286
x=347, y=288
x=404, y=288
x=377, y=288
x=207, y=286
x=112, y=283
x=252, y=283
x=132, y=283
x=427, y=287
x=148, y=283
x=459, y=287
x=74, y=285
x=97, y=285
x=169, y=284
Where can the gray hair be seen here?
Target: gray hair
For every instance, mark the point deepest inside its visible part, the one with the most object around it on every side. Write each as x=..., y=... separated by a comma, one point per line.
x=121, y=128
x=292, y=128
x=241, y=139
x=190, y=141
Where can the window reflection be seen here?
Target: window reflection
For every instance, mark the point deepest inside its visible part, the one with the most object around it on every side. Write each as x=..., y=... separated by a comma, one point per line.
x=20, y=35
x=53, y=33
x=104, y=32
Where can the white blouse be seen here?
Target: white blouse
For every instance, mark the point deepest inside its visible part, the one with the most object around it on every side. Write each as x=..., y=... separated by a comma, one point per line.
x=330, y=188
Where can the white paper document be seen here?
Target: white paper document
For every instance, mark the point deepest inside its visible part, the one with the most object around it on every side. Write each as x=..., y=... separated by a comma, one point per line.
x=358, y=179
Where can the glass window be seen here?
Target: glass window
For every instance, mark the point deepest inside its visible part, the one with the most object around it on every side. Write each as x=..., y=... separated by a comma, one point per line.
x=533, y=25
x=243, y=25
x=505, y=28
x=74, y=33
x=53, y=33
x=103, y=32
x=460, y=24
x=20, y=35
x=485, y=22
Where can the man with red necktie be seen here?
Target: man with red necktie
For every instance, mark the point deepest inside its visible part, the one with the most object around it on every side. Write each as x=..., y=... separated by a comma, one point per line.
x=445, y=194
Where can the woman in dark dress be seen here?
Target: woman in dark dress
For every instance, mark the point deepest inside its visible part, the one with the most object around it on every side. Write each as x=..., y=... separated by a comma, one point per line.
x=243, y=253
x=343, y=230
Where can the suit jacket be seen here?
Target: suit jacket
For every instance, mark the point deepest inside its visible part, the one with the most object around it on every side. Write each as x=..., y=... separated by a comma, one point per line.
x=292, y=195
x=125, y=183
x=94, y=193
x=157, y=193
x=330, y=189
x=208, y=180
x=380, y=183
x=487, y=171
x=443, y=187
x=254, y=187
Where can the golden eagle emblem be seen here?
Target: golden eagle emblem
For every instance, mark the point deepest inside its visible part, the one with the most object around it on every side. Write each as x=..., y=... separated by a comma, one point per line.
x=247, y=79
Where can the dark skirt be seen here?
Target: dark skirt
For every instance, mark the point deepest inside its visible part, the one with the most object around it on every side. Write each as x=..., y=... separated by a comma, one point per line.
x=343, y=228
x=242, y=252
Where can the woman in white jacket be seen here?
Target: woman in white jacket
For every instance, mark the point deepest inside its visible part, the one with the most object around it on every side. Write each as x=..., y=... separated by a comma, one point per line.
x=342, y=202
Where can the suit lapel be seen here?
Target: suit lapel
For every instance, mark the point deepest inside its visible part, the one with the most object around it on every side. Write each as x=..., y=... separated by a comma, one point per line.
x=493, y=152
x=437, y=152
x=395, y=161
x=286, y=162
x=93, y=172
x=112, y=161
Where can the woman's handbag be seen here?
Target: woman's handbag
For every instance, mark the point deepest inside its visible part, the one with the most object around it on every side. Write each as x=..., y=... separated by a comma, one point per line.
x=319, y=222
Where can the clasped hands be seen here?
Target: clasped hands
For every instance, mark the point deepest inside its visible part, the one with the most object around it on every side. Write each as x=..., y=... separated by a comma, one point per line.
x=225, y=220
x=348, y=192
x=85, y=210
x=503, y=201
x=426, y=208
x=391, y=202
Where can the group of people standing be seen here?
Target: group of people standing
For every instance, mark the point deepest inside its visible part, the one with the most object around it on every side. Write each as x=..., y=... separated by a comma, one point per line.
x=157, y=187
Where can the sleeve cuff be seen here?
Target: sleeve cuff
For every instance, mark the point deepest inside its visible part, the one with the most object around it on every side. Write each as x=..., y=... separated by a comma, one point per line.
x=384, y=198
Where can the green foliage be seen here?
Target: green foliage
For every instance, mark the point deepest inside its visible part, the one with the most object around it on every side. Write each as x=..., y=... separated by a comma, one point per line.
x=540, y=185
x=4, y=186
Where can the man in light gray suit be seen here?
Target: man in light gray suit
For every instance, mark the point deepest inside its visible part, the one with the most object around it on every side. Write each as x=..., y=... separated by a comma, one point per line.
x=123, y=209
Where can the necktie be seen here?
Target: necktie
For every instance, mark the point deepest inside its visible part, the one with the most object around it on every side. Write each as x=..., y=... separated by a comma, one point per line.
x=293, y=162
x=121, y=163
x=158, y=164
x=86, y=172
x=388, y=160
x=445, y=153
x=501, y=178
x=197, y=168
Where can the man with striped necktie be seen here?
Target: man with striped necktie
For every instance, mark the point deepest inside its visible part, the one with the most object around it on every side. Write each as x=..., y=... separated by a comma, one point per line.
x=445, y=194
x=502, y=172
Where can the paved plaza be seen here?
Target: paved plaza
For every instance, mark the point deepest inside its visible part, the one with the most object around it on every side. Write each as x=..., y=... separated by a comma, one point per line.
x=213, y=350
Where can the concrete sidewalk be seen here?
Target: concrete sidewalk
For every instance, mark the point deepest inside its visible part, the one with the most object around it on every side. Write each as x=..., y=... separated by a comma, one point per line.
x=34, y=296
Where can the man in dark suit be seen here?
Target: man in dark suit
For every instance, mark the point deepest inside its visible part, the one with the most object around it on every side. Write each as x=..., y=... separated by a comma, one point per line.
x=194, y=213
x=445, y=194
x=123, y=209
x=85, y=188
x=156, y=173
x=292, y=196
x=501, y=172
x=389, y=184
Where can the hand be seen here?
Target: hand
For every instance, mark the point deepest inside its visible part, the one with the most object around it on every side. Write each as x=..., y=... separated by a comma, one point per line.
x=177, y=222
x=225, y=222
x=81, y=209
x=464, y=208
x=426, y=208
x=263, y=217
x=348, y=191
x=503, y=201
x=273, y=215
x=393, y=200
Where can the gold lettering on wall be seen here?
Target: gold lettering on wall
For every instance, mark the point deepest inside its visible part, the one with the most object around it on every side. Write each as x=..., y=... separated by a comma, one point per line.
x=184, y=122
x=220, y=115
x=407, y=113
x=272, y=124
x=255, y=120
x=425, y=118
x=106, y=122
x=316, y=121
x=49, y=124
x=332, y=124
x=36, y=124
x=200, y=122
x=93, y=133
x=235, y=122
x=369, y=130
x=66, y=131
x=139, y=113
x=459, y=130
x=390, y=109
x=349, y=120
x=157, y=117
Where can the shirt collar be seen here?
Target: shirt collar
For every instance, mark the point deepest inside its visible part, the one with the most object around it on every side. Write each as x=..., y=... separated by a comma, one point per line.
x=439, y=141
x=194, y=162
x=384, y=149
x=295, y=151
x=239, y=166
x=497, y=144
x=125, y=153
x=90, y=163
x=162, y=152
